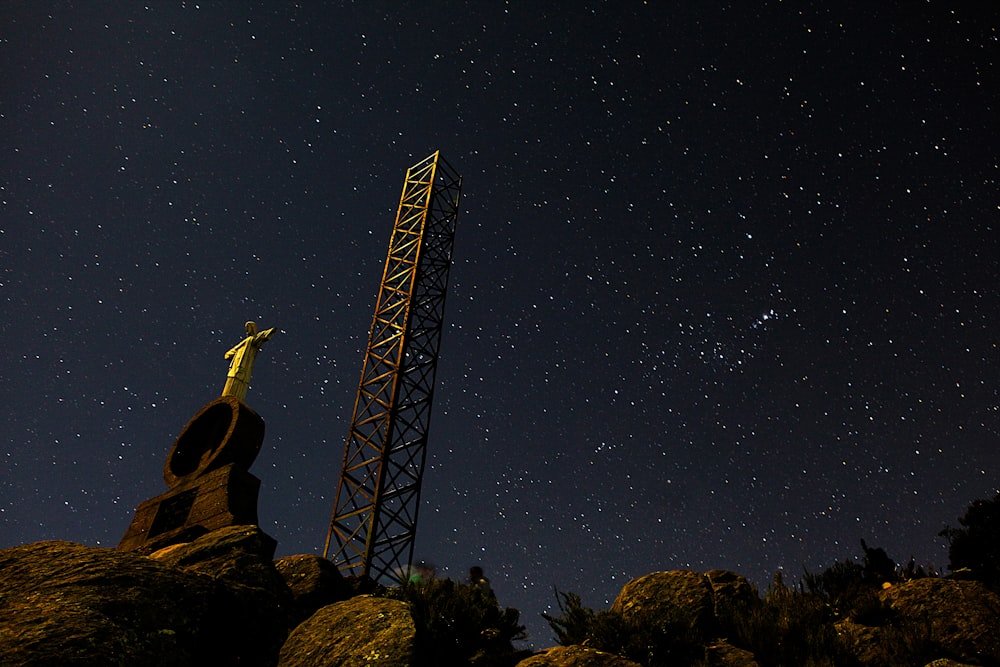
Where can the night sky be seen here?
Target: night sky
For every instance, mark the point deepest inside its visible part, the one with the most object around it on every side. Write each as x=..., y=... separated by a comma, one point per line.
x=725, y=284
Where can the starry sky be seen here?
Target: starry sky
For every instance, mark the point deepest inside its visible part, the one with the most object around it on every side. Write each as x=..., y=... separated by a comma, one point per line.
x=724, y=294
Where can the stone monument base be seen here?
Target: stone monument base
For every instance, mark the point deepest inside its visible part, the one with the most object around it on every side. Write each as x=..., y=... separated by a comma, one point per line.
x=226, y=496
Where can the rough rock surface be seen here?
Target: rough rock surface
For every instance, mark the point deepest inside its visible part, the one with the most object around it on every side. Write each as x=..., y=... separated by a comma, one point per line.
x=237, y=554
x=63, y=603
x=731, y=585
x=724, y=654
x=679, y=595
x=242, y=557
x=314, y=582
x=352, y=633
x=964, y=616
x=734, y=596
x=575, y=656
x=864, y=642
x=220, y=601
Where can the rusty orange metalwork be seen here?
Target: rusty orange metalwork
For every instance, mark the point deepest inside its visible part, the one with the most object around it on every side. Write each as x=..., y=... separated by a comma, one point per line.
x=374, y=521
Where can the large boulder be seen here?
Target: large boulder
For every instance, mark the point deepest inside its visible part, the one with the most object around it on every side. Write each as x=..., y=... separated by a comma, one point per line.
x=931, y=618
x=575, y=656
x=352, y=633
x=237, y=554
x=876, y=645
x=963, y=616
x=734, y=597
x=678, y=596
x=314, y=582
x=240, y=556
x=64, y=603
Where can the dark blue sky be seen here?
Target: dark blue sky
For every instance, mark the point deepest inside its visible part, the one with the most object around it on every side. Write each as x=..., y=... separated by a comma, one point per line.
x=724, y=294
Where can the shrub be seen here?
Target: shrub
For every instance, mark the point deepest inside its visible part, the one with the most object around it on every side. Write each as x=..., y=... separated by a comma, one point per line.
x=652, y=640
x=574, y=623
x=868, y=608
x=790, y=628
x=456, y=623
x=850, y=588
x=976, y=545
x=837, y=585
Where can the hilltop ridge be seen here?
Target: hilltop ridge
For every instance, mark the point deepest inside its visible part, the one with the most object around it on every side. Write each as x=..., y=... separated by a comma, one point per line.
x=222, y=600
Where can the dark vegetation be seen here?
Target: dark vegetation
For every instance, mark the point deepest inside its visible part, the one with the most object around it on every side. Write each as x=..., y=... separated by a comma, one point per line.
x=789, y=625
x=975, y=546
x=460, y=625
x=646, y=639
x=796, y=625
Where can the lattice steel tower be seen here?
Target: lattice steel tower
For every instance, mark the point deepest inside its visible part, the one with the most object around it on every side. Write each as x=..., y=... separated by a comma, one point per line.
x=374, y=520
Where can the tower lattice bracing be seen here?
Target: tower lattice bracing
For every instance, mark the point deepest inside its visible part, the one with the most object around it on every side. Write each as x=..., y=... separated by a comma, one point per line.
x=374, y=520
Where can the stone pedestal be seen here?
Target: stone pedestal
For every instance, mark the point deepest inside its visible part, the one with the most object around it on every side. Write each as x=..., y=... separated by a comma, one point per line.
x=207, y=473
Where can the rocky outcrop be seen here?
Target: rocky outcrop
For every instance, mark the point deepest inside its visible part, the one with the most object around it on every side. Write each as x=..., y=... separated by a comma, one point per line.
x=63, y=603
x=918, y=620
x=220, y=600
x=575, y=656
x=240, y=555
x=865, y=643
x=313, y=581
x=679, y=596
x=961, y=617
x=957, y=620
x=731, y=592
x=724, y=654
x=355, y=632
x=697, y=607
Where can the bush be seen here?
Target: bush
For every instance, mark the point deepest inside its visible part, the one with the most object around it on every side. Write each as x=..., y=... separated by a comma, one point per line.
x=456, y=624
x=850, y=588
x=574, y=623
x=790, y=628
x=837, y=585
x=976, y=545
x=659, y=640
x=868, y=608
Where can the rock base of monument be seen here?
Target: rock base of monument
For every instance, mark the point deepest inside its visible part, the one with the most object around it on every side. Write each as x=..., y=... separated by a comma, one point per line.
x=223, y=497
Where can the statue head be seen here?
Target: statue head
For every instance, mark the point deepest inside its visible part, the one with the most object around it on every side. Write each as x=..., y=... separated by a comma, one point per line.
x=251, y=328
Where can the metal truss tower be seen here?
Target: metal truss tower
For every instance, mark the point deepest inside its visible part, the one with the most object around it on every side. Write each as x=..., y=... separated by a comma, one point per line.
x=374, y=520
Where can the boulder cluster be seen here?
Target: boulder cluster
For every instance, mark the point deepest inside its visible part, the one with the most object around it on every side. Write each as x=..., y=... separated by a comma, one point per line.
x=223, y=600
x=219, y=600
x=717, y=619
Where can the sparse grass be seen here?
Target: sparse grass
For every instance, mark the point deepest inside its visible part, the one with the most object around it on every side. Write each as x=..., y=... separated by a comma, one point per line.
x=790, y=628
